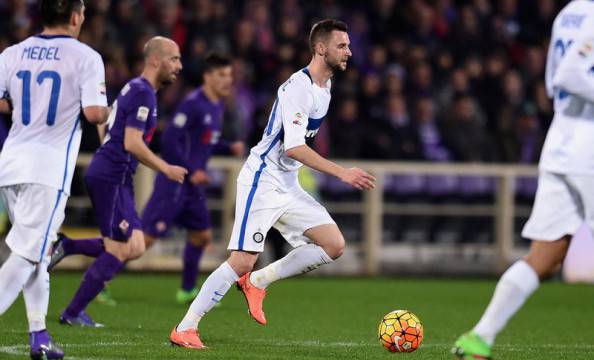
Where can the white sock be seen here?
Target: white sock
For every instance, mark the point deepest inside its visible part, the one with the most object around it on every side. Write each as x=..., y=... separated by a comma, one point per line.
x=514, y=287
x=300, y=260
x=211, y=292
x=13, y=275
x=36, y=293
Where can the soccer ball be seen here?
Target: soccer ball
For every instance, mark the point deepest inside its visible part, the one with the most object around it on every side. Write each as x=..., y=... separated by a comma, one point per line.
x=400, y=331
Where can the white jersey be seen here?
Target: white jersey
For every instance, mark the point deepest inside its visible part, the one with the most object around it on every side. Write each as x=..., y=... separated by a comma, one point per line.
x=296, y=116
x=570, y=81
x=48, y=79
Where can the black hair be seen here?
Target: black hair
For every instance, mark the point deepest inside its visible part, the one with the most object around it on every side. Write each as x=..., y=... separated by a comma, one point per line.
x=322, y=29
x=215, y=61
x=58, y=12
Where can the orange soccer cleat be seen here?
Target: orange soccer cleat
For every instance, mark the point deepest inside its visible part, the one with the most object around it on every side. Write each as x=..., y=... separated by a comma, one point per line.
x=254, y=297
x=188, y=338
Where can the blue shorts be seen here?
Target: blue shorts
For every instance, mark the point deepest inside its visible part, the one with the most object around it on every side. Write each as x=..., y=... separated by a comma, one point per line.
x=171, y=204
x=114, y=207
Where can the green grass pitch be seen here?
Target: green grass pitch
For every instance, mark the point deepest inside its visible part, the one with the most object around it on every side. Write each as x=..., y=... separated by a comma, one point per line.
x=310, y=318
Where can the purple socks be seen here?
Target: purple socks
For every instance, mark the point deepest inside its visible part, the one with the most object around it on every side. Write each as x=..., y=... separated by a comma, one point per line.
x=192, y=255
x=101, y=271
x=92, y=247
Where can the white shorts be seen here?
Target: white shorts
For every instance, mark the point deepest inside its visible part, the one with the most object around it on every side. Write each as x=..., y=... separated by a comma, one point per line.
x=260, y=207
x=36, y=212
x=562, y=204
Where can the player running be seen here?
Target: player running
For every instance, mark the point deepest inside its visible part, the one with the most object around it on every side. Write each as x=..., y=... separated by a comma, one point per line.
x=131, y=126
x=188, y=141
x=48, y=77
x=269, y=194
x=565, y=195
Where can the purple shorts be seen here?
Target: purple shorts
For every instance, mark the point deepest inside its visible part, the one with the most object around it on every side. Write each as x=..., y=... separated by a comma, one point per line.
x=171, y=203
x=114, y=208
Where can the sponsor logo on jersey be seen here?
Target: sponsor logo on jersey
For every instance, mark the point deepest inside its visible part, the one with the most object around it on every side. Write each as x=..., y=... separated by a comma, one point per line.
x=102, y=89
x=586, y=49
x=143, y=113
x=298, y=118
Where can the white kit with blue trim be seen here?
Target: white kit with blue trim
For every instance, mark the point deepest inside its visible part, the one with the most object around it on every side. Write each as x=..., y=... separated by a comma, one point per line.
x=268, y=190
x=48, y=79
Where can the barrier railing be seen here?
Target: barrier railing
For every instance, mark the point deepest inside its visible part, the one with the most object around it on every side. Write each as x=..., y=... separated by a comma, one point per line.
x=372, y=207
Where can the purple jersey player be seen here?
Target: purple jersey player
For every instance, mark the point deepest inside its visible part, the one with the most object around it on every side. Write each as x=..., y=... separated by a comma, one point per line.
x=131, y=126
x=189, y=140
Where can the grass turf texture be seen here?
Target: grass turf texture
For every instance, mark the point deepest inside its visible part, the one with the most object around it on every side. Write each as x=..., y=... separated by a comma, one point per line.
x=310, y=318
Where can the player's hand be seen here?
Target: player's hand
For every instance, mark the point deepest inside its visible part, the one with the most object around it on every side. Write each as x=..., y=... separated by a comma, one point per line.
x=175, y=173
x=199, y=177
x=357, y=178
x=238, y=148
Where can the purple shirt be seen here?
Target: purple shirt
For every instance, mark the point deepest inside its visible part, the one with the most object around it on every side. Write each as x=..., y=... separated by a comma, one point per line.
x=3, y=132
x=194, y=133
x=136, y=107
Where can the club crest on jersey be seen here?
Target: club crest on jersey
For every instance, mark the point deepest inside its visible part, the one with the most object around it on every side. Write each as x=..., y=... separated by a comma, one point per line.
x=124, y=225
x=258, y=237
x=143, y=113
x=207, y=119
x=298, y=118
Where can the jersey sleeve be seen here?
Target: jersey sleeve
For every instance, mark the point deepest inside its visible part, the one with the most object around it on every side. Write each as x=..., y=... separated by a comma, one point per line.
x=295, y=102
x=575, y=73
x=93, y=92
x=139, y=107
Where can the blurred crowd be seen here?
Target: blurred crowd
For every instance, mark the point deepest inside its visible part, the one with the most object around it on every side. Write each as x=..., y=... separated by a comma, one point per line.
x=435, y=80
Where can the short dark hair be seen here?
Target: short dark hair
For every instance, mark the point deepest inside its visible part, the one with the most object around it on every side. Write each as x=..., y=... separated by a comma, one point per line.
x=322, y=29
x=58, y=12
x=214, y=61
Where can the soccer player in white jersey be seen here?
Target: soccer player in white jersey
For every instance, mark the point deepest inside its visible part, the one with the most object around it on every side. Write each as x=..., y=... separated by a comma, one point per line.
x=269, y=194
x=48, y=77
x=565, y=195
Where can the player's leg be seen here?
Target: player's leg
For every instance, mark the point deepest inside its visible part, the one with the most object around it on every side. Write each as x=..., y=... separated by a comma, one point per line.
x=36, y=294
x=16, y=270
x=195, y=217
x=37, y=211
x=316, y=238
x=197, y=241
x=212, y=291
x=244, y=253
x=65, y=246
x=555, y=217
x=14, y=273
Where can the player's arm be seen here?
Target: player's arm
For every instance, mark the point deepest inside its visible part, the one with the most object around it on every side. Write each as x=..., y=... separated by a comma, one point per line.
x=5, y=106
x=575, y=73
x=353, y=176
x=134, y=144
x=96, y=114
x=93, y=91
x=294, y=105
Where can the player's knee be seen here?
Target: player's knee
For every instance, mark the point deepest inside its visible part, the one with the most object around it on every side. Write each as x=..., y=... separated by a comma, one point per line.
x=242, y=262
x=200, y=238
x=148, y=241
x=336, y=248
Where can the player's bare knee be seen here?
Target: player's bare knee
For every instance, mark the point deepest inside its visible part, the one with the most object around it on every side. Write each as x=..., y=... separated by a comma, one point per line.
x=242, y=262
x=335, y=249
x=200, y=238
